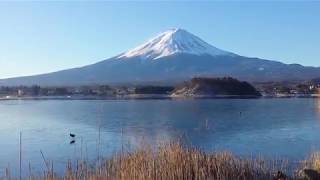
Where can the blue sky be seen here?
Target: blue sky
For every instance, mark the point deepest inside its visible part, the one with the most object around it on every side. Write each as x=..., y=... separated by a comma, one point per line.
x=43, y=37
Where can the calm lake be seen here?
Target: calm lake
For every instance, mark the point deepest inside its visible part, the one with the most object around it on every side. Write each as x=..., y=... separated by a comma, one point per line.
x=288, y=128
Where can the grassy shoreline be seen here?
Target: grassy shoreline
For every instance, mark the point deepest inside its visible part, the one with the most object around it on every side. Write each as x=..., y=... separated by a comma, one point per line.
x=175, y=161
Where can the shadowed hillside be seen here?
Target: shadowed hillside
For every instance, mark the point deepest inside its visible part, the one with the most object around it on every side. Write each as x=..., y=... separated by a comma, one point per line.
x=215, y=87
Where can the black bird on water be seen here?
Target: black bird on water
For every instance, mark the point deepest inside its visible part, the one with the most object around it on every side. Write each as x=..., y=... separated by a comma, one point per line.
x=73, y=138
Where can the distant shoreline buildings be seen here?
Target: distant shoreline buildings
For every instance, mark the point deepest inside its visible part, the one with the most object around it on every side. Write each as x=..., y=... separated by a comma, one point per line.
x=274, y=89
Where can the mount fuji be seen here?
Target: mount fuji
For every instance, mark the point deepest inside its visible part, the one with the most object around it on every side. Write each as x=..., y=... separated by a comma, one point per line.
x=172, y=56
x=171, y=42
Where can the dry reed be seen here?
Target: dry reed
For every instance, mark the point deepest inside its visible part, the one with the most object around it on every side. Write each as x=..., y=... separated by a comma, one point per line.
x=169, y=162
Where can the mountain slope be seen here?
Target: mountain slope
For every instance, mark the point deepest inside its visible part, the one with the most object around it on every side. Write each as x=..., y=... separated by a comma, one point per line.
x=173, y=41
x=172, y=56
x=210, y=87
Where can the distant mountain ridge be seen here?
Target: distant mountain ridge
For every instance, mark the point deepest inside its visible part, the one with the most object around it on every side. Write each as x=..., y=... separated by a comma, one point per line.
x=172, y=56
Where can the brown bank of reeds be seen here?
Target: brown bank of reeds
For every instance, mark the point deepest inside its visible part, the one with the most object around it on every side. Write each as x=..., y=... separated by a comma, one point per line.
x=169, y=162
x=174, y=161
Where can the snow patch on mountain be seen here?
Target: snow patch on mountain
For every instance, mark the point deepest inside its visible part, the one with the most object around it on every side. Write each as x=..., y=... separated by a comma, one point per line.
x=171, y=42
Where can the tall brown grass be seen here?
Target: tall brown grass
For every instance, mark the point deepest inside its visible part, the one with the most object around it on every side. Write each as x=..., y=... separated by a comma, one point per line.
x=312, y=162
x=168, y=162
x=175, y=161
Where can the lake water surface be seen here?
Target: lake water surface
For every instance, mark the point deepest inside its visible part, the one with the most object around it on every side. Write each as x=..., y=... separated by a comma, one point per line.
x=288, y=128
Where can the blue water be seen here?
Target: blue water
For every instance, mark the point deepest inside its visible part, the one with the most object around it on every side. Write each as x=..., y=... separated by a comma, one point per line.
x=288, y=128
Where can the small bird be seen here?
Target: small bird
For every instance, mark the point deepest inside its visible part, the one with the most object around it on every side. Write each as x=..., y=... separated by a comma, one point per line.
x=73, y=141
x=72, y=135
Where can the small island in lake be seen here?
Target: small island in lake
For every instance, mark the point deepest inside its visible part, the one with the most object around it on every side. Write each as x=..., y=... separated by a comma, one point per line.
x=215, y=87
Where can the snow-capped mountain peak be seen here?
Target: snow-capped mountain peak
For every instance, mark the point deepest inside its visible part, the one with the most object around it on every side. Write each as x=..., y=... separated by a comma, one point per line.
x=171, y=42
